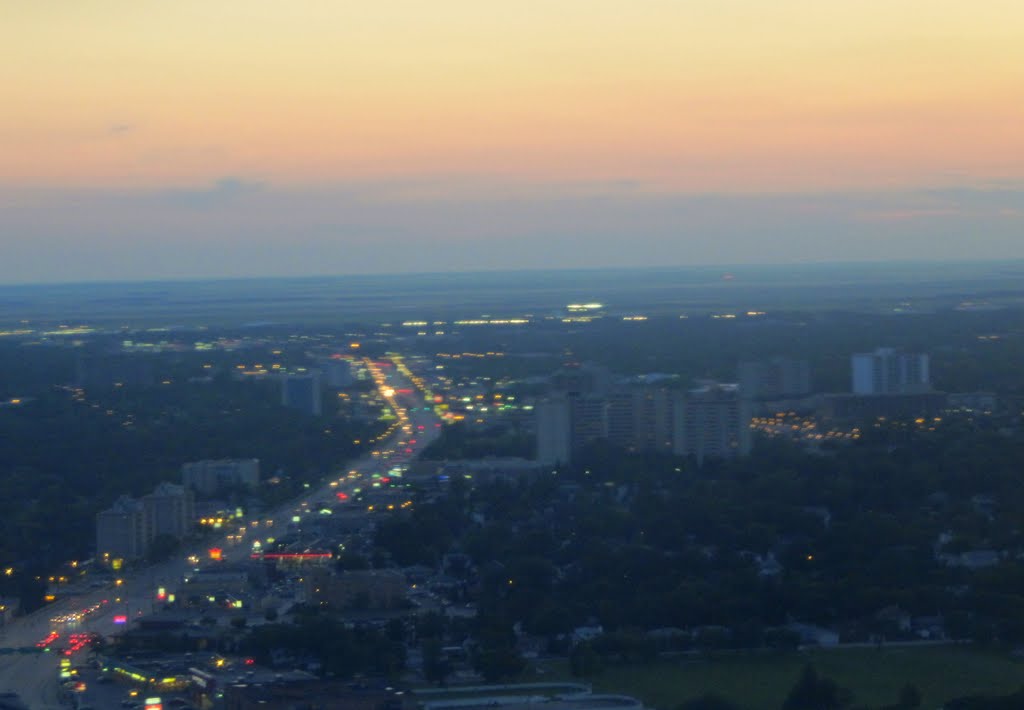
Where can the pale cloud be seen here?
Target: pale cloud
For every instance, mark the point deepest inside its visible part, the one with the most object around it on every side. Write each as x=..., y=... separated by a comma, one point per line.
x=222, y=192
x=120, y=129
x=900, y=215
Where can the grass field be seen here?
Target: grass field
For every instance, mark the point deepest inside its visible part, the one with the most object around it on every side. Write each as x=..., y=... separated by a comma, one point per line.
x=761, y=682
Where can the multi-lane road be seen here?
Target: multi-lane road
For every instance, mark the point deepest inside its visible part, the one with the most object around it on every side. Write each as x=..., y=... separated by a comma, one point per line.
x=34, y=676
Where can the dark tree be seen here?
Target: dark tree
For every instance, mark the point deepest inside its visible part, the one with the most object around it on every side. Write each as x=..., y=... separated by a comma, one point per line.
x=910, y=696
x=436, y=667
x=708, y=702
x=162, y=548
x=584, y=661
x=812, y=692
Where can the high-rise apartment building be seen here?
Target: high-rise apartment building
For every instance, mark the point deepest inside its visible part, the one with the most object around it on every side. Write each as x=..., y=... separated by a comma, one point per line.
x=589, y=419
x=712, y=421
x=574, y=414
x=170, y=510
x=554, y=430
x=302, y=392
x=888, y=371
x=641, y=417
x=121, y=530
x=566, y=423
x=126, y=529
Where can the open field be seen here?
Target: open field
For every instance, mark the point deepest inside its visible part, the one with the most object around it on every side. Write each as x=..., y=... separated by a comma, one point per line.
x=761, y=681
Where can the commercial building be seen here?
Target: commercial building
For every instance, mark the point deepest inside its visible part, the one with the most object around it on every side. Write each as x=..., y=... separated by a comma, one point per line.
x=301, y=391
x=283, y=694
x=208, y=478
x=888, y=371
x=220, y=580
x=712, y=421
x=486, y=470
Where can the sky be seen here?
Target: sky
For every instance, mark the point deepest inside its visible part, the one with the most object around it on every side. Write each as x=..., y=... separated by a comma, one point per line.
x=230, y=138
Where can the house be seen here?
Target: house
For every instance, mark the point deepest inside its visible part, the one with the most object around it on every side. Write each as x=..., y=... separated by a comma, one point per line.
x=587, y=633
x=972, y=559
x=9, y=607
x=811, y=635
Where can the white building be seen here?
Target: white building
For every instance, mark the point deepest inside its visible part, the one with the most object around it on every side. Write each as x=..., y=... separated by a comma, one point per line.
x=554, y=430
x=121, y=530
x=712, y=421
x=126, y=529
x=641, y=417
x=170, y=510
x=887, y=371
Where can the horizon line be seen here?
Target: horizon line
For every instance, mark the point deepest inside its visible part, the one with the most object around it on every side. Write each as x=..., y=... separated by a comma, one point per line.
x=526, y=270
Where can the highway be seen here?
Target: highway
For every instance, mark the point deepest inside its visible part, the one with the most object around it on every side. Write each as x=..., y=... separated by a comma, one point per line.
x=35, y=676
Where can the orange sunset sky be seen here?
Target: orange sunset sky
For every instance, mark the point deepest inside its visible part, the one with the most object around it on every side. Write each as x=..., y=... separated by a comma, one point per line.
x=111, y=106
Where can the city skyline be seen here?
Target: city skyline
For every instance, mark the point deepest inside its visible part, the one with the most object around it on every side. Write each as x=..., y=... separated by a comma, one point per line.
x=253, y=139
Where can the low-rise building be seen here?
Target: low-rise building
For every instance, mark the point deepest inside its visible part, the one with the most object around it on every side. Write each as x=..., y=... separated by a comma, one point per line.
x=857, y=407
x=9, y=608
x=320, y=694
x=356, y=589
